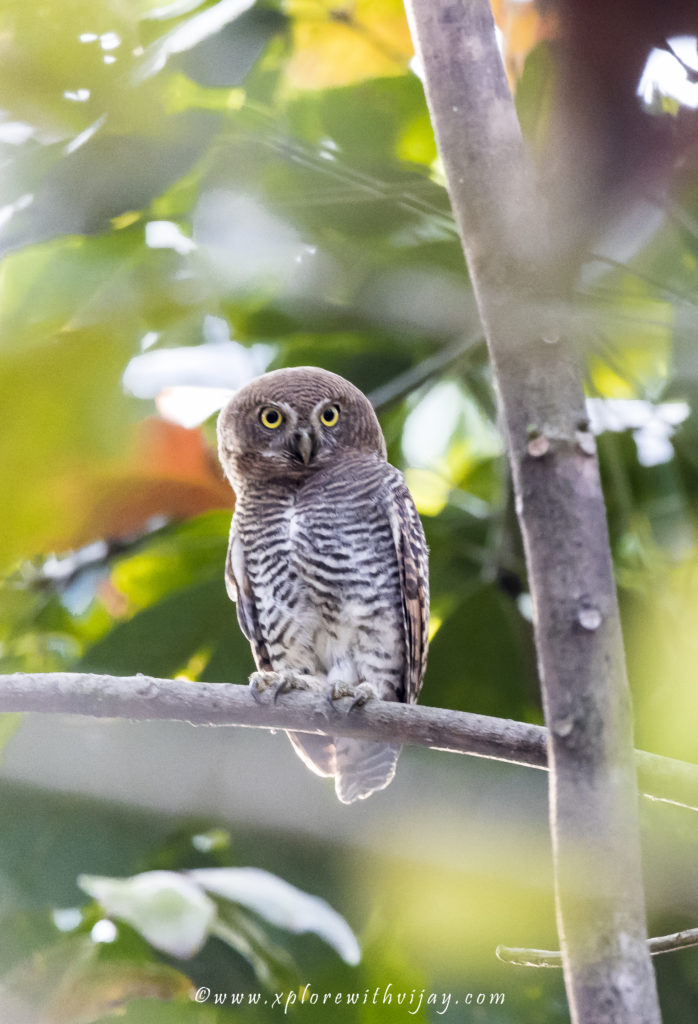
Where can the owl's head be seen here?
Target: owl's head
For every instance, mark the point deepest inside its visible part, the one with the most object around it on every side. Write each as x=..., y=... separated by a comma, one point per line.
x=289, y=423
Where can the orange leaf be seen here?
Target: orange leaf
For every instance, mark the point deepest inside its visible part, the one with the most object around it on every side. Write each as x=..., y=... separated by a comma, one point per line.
x=521, y=27
x=167, y=471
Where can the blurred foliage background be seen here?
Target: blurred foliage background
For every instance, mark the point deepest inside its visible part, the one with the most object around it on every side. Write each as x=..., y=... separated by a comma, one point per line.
x=193, y=192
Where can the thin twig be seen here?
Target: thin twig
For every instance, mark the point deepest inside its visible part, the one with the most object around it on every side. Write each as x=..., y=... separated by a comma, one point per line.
x=553, y=958
x=402, y=385
x=458, y=732
x=597, y=257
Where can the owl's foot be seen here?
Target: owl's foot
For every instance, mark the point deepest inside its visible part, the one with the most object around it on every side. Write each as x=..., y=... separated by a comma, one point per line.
x=278, y=683
x=362, y=693
x=261, y=681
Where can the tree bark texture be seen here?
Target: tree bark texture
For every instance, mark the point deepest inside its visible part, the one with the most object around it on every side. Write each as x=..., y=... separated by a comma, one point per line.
x=593, y=795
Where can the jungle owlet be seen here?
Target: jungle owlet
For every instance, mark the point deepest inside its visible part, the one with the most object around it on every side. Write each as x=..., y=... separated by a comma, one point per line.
x=327, y=560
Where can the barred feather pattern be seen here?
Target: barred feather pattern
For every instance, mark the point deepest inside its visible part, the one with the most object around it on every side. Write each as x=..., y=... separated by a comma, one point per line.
x=329, y=570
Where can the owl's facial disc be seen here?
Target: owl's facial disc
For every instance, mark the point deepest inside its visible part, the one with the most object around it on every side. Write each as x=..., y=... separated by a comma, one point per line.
x=290, y=424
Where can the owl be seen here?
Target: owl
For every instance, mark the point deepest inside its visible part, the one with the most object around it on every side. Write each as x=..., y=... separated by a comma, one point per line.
x=327, y=559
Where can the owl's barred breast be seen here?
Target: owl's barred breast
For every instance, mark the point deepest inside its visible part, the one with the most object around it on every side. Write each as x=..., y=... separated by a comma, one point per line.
x=322, y=565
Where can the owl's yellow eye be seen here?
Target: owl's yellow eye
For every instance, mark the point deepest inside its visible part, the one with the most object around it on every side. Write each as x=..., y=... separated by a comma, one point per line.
x=270, y=417
x=330, y=415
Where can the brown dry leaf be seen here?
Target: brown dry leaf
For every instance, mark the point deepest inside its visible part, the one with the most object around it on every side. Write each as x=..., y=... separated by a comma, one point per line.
x=70, y=983
x=341, y=43
x=106, y=989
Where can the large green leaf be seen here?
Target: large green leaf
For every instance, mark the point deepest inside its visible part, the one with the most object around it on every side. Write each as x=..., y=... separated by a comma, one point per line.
x=109, y=175
x=163, y=638
x=482, y=659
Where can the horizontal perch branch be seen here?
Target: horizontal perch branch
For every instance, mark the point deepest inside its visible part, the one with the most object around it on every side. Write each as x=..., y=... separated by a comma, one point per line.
x=143, y=697
x=458, y=732
x=553, y=958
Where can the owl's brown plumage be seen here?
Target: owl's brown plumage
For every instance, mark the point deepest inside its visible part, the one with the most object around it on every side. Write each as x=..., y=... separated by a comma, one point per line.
x=327, y=560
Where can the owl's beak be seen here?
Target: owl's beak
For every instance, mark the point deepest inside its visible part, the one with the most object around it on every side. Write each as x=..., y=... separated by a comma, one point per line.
x=304, y=444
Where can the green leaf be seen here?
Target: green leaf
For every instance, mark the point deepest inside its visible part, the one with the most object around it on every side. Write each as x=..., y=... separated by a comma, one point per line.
x=46, y=443
x=536, y=93
x=68, y=283
x=179, y=556
x=107, y=176
x=190, y=32
x=482, y=659
x=161, y=639
x=224, y=59
x=272, y=965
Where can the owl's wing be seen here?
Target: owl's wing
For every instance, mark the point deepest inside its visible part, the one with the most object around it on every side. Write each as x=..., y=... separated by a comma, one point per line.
x=237, y=583
x=317, y=752
x=413, y=562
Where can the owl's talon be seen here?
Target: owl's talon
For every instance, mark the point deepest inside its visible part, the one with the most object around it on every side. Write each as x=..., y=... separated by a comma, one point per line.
x=335, y=692
x=257, y=694
x=261, y=681
x=360, y=692
x=285, y=682
x=364, y=693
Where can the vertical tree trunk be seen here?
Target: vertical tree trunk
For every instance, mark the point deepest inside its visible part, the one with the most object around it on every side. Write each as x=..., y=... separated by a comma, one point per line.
x=593, y=794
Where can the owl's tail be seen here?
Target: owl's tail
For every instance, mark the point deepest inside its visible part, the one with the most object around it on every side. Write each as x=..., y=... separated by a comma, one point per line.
x=363, y=767
x=359, y=767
